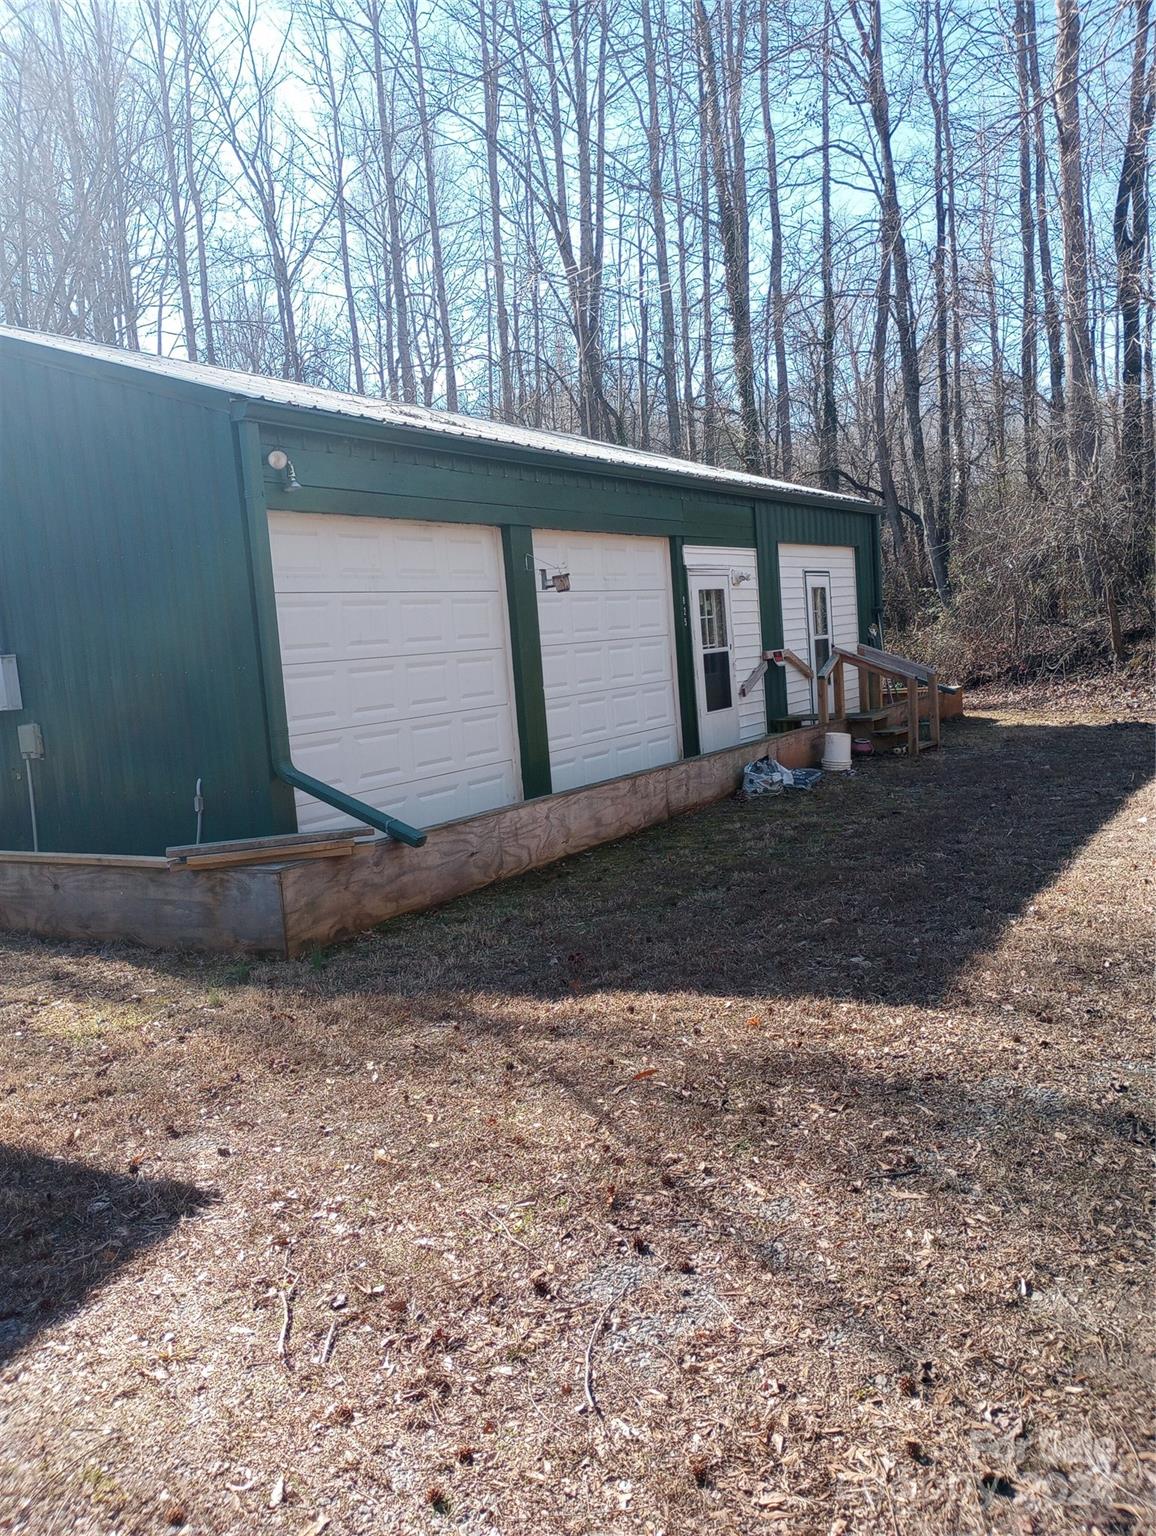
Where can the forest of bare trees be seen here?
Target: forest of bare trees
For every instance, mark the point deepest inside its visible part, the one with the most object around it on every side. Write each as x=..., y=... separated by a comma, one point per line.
x=901, y=250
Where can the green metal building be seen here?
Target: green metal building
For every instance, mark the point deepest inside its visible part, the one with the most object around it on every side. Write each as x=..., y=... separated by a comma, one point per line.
x=322, y=608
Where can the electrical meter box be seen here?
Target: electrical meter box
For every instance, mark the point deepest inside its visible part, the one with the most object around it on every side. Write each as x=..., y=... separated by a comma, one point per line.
x=31, y=740
x=9, y=684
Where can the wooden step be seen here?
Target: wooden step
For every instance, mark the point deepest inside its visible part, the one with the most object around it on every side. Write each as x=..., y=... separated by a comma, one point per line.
x=791, y=722
x=866, y=716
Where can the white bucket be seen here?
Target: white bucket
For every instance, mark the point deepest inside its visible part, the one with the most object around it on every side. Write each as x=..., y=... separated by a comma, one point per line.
x=837, y=752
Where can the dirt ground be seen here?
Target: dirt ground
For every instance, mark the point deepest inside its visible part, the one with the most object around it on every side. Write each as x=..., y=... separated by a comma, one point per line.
x=785, y=1168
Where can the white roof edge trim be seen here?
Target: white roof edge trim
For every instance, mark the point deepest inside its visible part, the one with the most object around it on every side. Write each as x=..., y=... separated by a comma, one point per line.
x=388, y=413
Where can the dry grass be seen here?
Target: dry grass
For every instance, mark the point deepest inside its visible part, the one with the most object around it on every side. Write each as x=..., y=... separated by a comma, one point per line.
x=820, y=1127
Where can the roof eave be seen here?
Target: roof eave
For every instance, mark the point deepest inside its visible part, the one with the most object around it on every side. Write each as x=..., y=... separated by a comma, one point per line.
x=684, y=479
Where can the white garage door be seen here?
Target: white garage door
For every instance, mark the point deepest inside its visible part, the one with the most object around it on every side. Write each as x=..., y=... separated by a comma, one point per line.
x=607, y=656
x=394, y=643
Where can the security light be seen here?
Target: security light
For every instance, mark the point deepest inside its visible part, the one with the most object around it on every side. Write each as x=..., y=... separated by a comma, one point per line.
x=278, y=459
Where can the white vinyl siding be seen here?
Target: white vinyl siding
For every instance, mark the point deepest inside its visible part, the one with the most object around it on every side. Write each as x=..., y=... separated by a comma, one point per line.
x=838, y=561
x=395, y=652
x=607, y=655
x=745, y=622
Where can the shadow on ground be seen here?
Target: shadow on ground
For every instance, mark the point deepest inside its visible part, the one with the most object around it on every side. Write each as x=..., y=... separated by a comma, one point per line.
x=882, y=887
x=66, y=1228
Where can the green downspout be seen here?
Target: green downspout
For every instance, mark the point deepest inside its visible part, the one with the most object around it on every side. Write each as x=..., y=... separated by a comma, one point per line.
x=265, y=612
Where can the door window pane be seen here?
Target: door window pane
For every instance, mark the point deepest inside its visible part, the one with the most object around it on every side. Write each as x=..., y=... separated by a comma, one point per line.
x=712, y=616
x=716, y=671
x=820, y=625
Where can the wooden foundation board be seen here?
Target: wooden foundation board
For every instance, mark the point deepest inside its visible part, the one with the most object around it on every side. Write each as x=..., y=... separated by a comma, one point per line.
x=291, y=906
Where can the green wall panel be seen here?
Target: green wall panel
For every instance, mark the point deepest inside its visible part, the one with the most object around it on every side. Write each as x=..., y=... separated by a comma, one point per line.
x=124, y=592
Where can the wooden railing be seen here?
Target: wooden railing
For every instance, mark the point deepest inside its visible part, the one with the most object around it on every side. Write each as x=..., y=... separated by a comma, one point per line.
x=872, y=665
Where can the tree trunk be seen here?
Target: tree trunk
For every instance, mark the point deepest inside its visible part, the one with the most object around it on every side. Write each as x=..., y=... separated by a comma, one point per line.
x=1080, y=402
x=727, y=158
x=658, y=220
x=936, y=537
x=1130, y=233
x=1052, y=326
x=430, y=170
x=828, y=413
x=385, y=130
x=1029, y=356
x=172, y=179
x=487, y=19
x=784, y=446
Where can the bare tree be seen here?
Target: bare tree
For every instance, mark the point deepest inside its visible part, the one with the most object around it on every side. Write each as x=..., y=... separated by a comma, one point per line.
x=1080, y=391
x=1130, y=230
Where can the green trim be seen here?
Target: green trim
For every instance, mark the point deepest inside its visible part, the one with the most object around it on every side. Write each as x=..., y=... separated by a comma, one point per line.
x=684, y=650
x=255, y=521
x=526, y=658
x=770, y=611
x=281, y=761
x=681, y=474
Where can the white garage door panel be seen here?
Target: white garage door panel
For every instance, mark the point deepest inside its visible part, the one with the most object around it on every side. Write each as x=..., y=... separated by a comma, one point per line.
x=396, y=665
x=607, y=656
x=327, y=696
x=337, y=626
x=380, y=554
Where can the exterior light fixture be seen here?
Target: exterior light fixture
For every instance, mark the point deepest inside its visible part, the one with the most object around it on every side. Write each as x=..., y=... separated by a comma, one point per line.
x=279, y=460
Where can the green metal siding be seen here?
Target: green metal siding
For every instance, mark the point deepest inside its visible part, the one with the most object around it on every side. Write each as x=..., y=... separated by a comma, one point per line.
x=124, y=592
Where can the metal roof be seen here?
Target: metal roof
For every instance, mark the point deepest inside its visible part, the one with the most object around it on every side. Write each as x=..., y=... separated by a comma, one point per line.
x=467, y=429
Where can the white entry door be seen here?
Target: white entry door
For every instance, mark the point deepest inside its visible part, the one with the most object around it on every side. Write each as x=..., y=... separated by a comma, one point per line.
x=714, y=670
x=820, y=636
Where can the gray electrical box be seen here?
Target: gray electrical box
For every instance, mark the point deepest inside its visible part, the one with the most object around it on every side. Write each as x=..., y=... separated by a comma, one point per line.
x=31, y=740
x=9, y=684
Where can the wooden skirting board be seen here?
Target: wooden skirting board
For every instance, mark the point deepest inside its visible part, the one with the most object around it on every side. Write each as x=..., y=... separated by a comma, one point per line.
x=289, y=906
x=950, y=707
